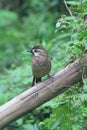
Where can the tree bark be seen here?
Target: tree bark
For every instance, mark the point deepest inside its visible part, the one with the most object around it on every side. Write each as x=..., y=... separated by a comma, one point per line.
x=43, y=92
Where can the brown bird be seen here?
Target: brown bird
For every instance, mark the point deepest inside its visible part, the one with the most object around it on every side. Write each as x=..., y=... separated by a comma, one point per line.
x=41, y=63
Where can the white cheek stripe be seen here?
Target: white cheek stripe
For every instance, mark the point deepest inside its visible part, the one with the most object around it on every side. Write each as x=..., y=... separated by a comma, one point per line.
x=36, y=53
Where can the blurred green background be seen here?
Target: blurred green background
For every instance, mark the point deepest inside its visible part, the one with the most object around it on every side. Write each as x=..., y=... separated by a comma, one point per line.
x=24, y=24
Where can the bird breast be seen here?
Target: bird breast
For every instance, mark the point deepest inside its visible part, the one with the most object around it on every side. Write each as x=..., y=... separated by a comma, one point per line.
x=41, y=66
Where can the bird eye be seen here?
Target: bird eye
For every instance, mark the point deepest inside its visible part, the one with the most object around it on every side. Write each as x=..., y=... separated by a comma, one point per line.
x=35, y=51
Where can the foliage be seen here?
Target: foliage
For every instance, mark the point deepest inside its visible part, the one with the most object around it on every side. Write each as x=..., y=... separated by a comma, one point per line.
x=65, y=41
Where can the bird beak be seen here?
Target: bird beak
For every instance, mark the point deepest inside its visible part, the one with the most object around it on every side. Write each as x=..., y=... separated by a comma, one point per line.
x=29, y=51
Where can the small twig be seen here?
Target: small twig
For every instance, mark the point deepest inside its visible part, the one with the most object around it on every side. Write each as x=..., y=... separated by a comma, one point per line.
x=68, y=8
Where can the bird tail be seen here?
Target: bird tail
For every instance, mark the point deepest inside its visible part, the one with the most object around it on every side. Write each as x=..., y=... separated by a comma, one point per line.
x=36, y=80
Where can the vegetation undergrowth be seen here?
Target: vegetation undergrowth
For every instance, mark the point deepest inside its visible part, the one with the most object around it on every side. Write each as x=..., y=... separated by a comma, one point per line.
x=65, y=38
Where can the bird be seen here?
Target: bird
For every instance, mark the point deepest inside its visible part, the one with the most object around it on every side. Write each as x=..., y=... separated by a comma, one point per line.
x=41, y=63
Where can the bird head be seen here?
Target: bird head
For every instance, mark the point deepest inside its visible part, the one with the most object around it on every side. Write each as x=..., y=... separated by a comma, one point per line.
x=38, y=50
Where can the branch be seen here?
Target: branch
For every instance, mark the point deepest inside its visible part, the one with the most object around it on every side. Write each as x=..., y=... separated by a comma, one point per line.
x=68, y=8
x=42, y=92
